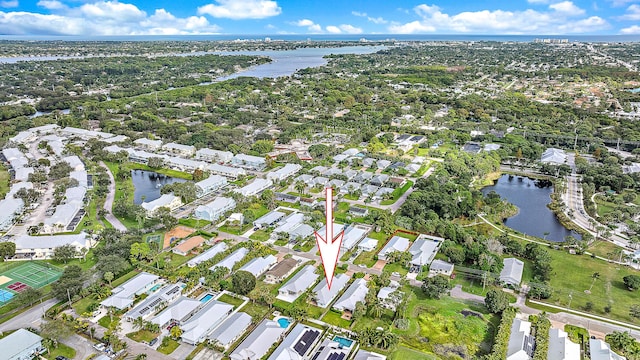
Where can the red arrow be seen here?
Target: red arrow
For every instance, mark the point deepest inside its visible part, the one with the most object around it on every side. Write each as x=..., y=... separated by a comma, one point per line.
x=329, y=250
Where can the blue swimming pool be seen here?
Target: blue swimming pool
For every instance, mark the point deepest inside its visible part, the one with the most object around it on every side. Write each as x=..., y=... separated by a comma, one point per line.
x=206, y=298
x=284, y=322
x=344, y=342
x=154, y=288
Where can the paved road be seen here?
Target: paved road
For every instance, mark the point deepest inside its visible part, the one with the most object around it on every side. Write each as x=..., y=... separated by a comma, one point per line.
x=108, y=203
x=82, y=346
x=30, y=318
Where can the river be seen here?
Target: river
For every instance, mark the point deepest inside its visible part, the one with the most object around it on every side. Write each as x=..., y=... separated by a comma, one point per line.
x=534, y=217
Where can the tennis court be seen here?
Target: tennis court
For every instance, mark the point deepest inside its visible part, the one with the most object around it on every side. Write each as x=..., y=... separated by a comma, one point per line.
x=24, y=276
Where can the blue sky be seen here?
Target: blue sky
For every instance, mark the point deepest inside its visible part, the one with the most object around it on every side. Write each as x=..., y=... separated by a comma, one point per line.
x=170, y=17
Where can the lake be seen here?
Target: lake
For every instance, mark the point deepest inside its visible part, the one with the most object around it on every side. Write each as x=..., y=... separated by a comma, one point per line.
x=531, y=197
x=148, y=184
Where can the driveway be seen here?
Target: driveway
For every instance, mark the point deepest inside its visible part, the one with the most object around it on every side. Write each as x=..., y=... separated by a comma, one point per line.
x=108, y=203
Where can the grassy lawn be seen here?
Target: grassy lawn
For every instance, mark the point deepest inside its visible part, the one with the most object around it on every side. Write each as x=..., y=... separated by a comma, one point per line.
x=352, y=197
x=255, y=310
x=123, y=278
x=142, y=336
x=605, y=249
x=260, y=235
x=194, y=223
x=61, y=350
x=226, y=298
x=5, y=177
x=105, y=321
x=334, y=318
x=315, y=312
x=81, y=306
x=608, y=289
x=403, y=353
x=423, y=169
x=396, y=268
x=395, y=195
x=168, y=346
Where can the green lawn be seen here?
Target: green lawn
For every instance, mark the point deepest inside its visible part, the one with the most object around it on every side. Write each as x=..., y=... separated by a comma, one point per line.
x=605, y=249
x=194, y=223
x=334, y=318
x=255, y=310
x=396, y=268
x=423, y=169
x=61, y=350
x=397, y=193
x=81, y=306
x=403, y=353
x=5, y=177
x=257, y=209
x=168, y=346
x=142, y=336
x=260, y=235
x=226, y=298
x=123, y=278
x=105, y=321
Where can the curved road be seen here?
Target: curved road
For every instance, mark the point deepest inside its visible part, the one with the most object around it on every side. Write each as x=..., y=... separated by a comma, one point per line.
x=108, y=203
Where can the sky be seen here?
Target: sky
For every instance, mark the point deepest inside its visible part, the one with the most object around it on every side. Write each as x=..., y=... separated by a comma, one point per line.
x=263, y=17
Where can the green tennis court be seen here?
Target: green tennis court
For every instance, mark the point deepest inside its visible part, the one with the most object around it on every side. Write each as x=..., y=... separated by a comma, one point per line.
x=26, y=275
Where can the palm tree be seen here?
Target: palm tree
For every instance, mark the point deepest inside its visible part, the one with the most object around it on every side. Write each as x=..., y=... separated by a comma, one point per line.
x=376, y=309
x=594, y=276
x=138, y=323
x=300, y=186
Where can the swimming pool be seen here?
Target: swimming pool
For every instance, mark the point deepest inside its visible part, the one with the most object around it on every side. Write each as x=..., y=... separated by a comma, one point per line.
x=344, y=342
x=284, y=322
x=154, y=288
x=206, y=298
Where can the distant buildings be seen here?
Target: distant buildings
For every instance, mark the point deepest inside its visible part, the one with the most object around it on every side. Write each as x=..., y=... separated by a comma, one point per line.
x=179, y=149
x=42, y=247
x=284, y=172
x=554, y=156
x=249, y=162
x=148, y=144
x=214, y=156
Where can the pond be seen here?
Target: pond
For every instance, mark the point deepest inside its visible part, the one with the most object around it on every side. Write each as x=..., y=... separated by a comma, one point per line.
x=531, y=197
x=148, y=184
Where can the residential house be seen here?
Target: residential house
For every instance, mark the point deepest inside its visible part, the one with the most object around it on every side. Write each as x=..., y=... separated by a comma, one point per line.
x=368, y=244
x=350, y=187
x=306, y=179
x=386, y=295
x=554, y=156
x=368, y=355
x=115, y=139
x=214, y=210
x=439, y=267
x=228, y=171
x=169, y=201
x=176, y=313
x=353, y=234
x=560, y=347
x=521, y=344
x=363, y=177
x=84, y=134
x=249, y=162
x=214, y=156
x=350, y=174
x=184, y=165
x=294, y=226
x=424, y=249
x=397, y=243
x=268, y=219
x=331, y=350
x=258, y=343
x=336, y=183
x=383, y=164
x=122, y=296
x=208, y=255
x=354, y=294
x=199, y=326
x=511, y=273
x=255, y=188
x=186, y=151
x=232, y=259
x=259, y=265
x=185, y=247
x=148, y=144
x=369, y=162
x=600, y=350
x=284, y=172
x=11, y=209
x=67, y=216
x=292, y=199
x=231, y=329
x=210, y=184
x=42, y=247
x=298, y=284
x=298, y=344
x=318, y=170
x=380, y=179
x=75, y=162
x=281, y=271
x=154, y=302
x=358, y=211
x=323, y=295
x=21, y=345
x=331, y=172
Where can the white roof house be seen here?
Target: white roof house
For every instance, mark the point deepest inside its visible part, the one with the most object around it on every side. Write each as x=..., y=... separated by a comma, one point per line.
x=210, y=184
x=207, y=255
x=255, y=188
x=232, y=259
x=116, y=139
x=554, y=156
x=249, y=161
x=384, y=295
x=269, y=219
x=354, y=294
x=148, y=306
x=259, y=265
x=298, y=284
x=228, y=171
x=258, y=343
x=42, y=247
x=352, y=236
x=148, y=143
x=21, y=345
x=213, y=210
x=61, y=218
x=186, y=150
x=75, y=162
x=284, y=172
x=560, y=347
x=11, y=207
x=298, y=344
x=85, y=134
x=185, y=165
x=22, y=173
x=367, y=355
x=439, y=267
x=231, y=329
x=351, y=152
x=512, y=271
x=166, y=200
x=323, y=296
x=397, y=243
x=521, y=343
x=600, y=350
x=80, y=177
x=124, y=294
x=368, y=244
x=216, y=156
x=424, y=249
x=178, y=311
x=198, y=327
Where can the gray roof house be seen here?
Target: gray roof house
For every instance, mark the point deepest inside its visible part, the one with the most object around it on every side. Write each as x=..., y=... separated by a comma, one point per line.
x=511, y=273
x=269, y=219
x=424, y=249
x=259, y=265
x=124, y=294
x=232, y=259
x=148, y=306
x=298, y=344
x=258, y=343
x=354, y=294
x=198, y=327
x=383, y=164
x=231, y=329
x=207, y=255
x=380, y=179
x=178, y=311
x=600, y=350
x=521, y=343
x=554, y=156
x=210, y=184
x=352, y=236
x=323, y=296
x=439, y=267
x=21, y=345
x=560, y=347
x=397, y=243
x=298, y=284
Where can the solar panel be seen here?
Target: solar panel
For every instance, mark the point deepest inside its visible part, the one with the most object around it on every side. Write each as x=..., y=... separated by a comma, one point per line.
x=306, y=340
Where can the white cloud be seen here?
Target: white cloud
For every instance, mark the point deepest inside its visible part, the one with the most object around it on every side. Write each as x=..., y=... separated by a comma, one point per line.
x=378, y=20
x=538, y=1
x=568, y=8
x=310, y=25
x=529, y=21
x=620, y=3
x=51, y=4
x=333, y=29
x=9, y=3
x=631, y=30
x=102, y=18
x=357, y=13
x=241, y=9
x=350, y=29
x=633, y=13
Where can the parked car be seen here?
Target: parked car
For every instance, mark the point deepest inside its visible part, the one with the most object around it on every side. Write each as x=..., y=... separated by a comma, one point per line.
x=153, y=341
x=99, y=346
x=61, y=358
